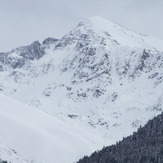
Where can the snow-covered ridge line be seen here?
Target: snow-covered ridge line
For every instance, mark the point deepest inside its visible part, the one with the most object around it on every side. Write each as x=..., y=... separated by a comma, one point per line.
x=20, y=56
x=126, y=36
x=121, y=35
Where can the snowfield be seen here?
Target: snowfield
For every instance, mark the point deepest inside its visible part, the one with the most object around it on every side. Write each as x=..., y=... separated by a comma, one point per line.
x=39, y=137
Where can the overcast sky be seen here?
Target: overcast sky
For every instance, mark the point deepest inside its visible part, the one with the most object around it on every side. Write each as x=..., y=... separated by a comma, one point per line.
x=23, y=21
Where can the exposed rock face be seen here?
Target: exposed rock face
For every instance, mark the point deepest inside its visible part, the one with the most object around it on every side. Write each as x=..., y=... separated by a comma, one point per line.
x=50, y=40
x=19, y=56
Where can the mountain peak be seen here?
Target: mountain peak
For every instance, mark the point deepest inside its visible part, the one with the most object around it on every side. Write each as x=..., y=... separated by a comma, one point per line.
x=98, y=19
x=120, y=34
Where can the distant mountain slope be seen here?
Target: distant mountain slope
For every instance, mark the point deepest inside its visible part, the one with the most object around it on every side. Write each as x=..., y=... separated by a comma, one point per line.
x=20, y=56
x=144, y=146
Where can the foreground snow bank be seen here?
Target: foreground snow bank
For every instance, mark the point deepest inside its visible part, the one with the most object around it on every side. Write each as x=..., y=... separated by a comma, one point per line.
x=37, y=136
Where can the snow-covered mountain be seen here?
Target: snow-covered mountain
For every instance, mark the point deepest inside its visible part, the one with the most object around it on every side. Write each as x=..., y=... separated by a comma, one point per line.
x=100, y=76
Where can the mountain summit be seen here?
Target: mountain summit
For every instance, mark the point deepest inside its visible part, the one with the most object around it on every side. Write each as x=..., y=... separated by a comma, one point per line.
x=116, y=32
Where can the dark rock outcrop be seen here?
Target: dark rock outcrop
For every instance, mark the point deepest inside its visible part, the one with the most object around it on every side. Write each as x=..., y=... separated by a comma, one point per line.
x=50, y=40
x=19, y=56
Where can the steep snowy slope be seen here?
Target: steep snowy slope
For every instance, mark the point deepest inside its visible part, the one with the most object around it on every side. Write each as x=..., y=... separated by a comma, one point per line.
x=9, y=155
x=36, y=136
x=99, y=75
